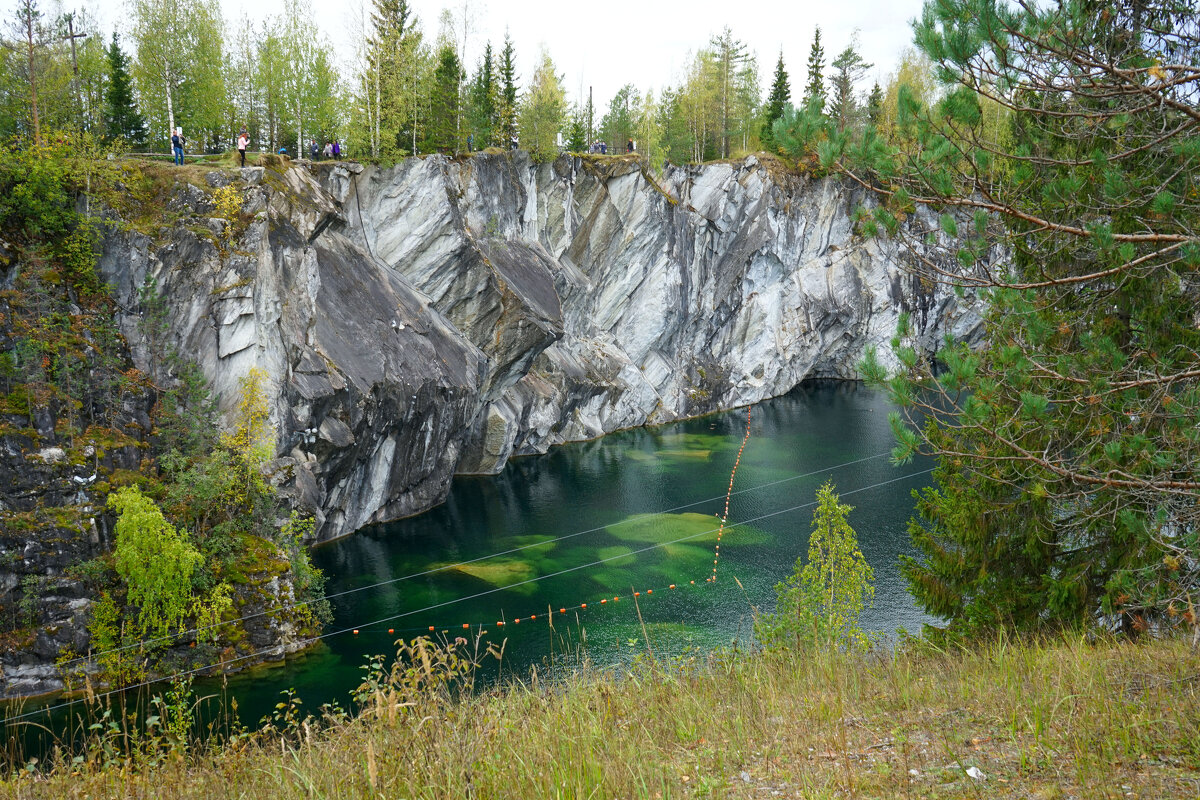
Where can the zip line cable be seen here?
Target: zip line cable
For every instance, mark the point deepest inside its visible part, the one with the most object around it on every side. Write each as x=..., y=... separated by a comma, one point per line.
x=446, y=567
x=477, y=595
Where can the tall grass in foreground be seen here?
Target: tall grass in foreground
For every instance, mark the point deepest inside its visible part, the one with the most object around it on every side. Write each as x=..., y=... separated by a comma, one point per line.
x=1063, y=718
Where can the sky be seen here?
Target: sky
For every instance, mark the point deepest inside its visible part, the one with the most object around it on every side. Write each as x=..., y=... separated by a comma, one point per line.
x=606, y=45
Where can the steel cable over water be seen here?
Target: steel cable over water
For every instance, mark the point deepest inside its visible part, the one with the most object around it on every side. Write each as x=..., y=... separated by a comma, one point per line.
x=356, y=628
x=456, y=565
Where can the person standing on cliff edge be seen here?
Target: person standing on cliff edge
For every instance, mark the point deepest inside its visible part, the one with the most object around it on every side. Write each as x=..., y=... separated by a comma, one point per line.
x=177, y=143
x=242, y=143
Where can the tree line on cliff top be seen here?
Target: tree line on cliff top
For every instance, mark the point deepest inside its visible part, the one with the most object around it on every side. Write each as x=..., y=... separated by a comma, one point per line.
x=406, y=91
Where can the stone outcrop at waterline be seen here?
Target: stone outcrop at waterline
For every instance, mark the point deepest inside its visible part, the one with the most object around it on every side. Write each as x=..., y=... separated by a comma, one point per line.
x=441, y=315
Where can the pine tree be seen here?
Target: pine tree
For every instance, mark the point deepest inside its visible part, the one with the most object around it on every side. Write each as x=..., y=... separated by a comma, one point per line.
x=508, y=89
x=390, y=22
x=731, y=56
x=33, y=37
x=122, y=117
x=849, y=69
x=781, y=93
x=1068, y=480
x=814, y=90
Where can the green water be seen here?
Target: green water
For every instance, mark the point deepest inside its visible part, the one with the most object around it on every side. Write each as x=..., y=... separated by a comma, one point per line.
x=590, y=521
x=602, y=501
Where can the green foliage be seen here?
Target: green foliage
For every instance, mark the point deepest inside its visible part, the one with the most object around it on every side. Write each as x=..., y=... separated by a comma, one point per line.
x=543, y=112
x=483, y=108
x=1069, y=466
x=227, y=202
x=119, y=660
x=617, y=126
x=781, y=93
x=121, y=115
x=37, y=191
x=307, y=580
x=442, y=130
x=509, y=89
x=155, y=561
x=820, y=603
x=849, y=68
x=252, y=439
x=814, y=89
x=577, y=133
x=179, y=69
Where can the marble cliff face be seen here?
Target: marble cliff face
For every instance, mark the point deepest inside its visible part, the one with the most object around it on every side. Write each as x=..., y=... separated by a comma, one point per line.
x=440, y=316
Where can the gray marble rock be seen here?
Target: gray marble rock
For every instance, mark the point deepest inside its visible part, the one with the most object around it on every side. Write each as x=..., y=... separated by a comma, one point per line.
x=442, y=315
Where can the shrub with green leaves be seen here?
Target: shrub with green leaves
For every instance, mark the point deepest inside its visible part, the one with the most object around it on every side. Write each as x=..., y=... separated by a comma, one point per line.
x=820, y=603
x=155, y=561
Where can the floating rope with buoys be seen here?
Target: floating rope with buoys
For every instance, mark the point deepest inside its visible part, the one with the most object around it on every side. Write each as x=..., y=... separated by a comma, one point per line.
x=482, y=627
x=729, y=493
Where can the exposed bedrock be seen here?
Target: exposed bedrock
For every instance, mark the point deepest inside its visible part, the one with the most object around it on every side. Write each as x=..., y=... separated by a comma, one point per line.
x=441, y=315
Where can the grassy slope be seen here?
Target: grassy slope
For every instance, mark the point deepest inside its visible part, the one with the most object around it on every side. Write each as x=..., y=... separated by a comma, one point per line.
x=1066, y=719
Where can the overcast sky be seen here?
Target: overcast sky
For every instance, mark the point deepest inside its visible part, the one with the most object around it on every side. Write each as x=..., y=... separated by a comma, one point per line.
x=645, y=42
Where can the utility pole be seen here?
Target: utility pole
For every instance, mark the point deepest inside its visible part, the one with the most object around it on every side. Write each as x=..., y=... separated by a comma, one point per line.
x=589, y=141
x=71, y=37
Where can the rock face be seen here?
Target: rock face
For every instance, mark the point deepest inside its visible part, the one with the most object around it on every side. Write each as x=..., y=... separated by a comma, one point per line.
x=604, y=298
x=441, y=316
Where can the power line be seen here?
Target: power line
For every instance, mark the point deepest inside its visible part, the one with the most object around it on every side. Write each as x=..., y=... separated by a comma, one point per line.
x=486, y=592
x=443, y=568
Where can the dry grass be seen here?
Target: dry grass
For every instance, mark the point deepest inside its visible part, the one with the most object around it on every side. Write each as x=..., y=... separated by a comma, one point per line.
x=1062, y=719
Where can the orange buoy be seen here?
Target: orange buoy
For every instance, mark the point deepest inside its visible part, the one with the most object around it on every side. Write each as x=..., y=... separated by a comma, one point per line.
x=602, y=602
x=672, y=586
x=562, y=611
x=390, y=630
x=649, y=591
x=466, y=625
x=356, y=631
x=637, y=594
x=616, y=599
x=533, y=616
x=430, y=627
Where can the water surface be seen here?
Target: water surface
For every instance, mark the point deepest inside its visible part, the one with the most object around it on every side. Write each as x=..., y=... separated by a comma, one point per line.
x=571, y=529
x=635, y=511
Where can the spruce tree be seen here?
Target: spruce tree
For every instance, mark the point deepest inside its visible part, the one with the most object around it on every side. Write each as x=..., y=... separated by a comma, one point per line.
x=441, y=130
x=875, y=105
x=577, y=132
x=508, y=89
x=388, y=48
x=1068, y=480
x=484, y=99
x=781, y=93
x=814, y=90
x=121, y=114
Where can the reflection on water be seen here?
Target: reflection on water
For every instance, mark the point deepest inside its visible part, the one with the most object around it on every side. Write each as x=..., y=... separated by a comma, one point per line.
x=585, y=522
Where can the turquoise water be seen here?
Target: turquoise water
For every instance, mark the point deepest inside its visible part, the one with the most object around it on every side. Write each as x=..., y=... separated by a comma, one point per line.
x=572, y=528
x=580, y=504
